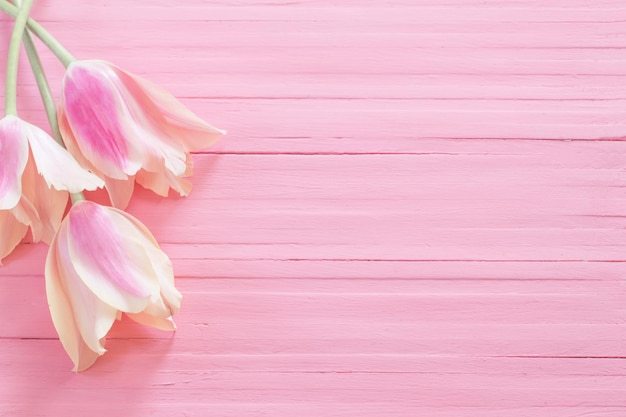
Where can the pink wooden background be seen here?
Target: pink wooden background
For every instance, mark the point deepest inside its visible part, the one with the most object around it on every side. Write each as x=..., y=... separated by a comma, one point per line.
x=420, y=210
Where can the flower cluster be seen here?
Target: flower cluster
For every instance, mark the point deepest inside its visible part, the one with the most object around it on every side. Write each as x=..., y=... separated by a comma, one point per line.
x=111, y=129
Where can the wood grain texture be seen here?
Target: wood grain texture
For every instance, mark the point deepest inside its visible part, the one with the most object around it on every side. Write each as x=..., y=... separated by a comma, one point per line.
x=419, y=210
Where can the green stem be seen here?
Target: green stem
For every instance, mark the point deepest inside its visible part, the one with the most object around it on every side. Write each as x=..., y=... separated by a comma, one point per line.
x=10, y=104
x=76, y=197
x=46, y=95
x=63, y=54
x=44, y=87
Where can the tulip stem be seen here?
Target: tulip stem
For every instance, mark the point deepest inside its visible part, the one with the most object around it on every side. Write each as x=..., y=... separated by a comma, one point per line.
x=46, y=94
x=76, y=197
x=44, y=87
x=54, y=45
x=10, y=104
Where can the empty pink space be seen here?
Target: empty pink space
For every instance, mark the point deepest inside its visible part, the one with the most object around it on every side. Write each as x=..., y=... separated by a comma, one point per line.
x=419, y=210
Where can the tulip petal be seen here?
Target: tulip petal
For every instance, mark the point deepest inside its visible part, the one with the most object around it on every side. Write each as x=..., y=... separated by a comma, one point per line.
x=163, y=267
x=56, y=165
x=47, y=204
x=115, y=266
x=160, y=183
x=63, y=315
x=153, y=181
x=196, y=138
x=161, y=264
x=95, y=113
x=69, y=140
x=12, y=232
x=93, y=317
x=180, y=122
x=162, y=153
x=156, y=322
x=120, y=191
x=181, y=185
x=189, y=170
x=14, y=155
x=50, y=205
x=26, y=213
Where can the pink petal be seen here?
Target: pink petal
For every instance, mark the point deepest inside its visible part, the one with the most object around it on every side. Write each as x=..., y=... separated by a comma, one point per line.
x=14, y=155
x=70, y=142
x=56, y=165
x=12, y=233
x=120, y=191
x=63, y=315
x=110, y=259
x=95, y=113
x=93, y=317
x=169, y=114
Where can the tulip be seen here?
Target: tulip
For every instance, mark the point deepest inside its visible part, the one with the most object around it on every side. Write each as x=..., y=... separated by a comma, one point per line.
x=36, y=174
x=126, y=129
x=101, y=263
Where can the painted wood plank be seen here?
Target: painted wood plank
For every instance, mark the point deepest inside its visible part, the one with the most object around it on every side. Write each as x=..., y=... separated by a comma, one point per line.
x=419, y=210
x=327, y=319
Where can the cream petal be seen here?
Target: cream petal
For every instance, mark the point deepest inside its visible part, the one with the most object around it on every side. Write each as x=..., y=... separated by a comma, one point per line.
x=12, y=232
x=153, y=181
x=114, y=265
x=161, y=182
x=195, y=139
x=26, y=213
x=47, y=203
x=93, y=317
x=14, y=156
x=169, y=113
x=172, y=158
x=157, y=309
x=120, y=191
x=40, y=207
x=181, y=185
x=156, y=322
x=163, y=267
x=86, y=357
x=146, y=124
x=63, y=315
x=161, y=264
x=56, y=165
x=95, y=112
x=161, y=153
x=50, y=206
x=189, y=170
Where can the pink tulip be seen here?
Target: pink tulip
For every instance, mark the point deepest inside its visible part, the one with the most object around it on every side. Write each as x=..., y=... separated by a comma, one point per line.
x=35, y=175
x=104, y=262
x=123, y=127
